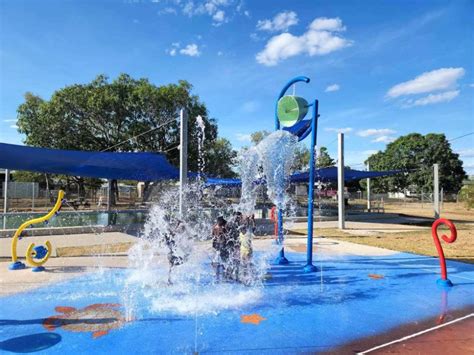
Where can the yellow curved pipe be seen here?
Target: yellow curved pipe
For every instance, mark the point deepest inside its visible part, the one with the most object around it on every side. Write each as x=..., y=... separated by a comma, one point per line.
x=30, y=222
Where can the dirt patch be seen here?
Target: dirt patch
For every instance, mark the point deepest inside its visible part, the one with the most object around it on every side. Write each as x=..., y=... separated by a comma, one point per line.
x=90, y=250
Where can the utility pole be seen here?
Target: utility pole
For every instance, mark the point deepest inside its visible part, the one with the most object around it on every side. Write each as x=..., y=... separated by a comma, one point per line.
x=5, y=191
x=436, y=190
x=369, y=205
x=340, y=181
x=109, y=195
x=183, y=160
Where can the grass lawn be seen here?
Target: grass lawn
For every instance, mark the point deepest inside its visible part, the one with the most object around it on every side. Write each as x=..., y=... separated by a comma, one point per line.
x=416, y=241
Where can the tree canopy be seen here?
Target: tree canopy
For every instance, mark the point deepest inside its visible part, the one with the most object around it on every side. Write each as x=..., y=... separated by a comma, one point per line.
x=416, y=154
x=105, y=115
x=323, y=159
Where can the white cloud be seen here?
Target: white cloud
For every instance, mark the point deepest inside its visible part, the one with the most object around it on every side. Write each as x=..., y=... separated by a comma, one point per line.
x=250, y=106
x=466, y=153
x=168, y=11
x=383, y=139
x=319, y=39
x=375, y=132
x=191, y=50
x=439, y=79
x=370, y=152
x=243, y=137
x=435, y=98
x=219, y=17
x=339, y=130
x=327, y=24
x=9, y=120
x=14, y=126
x=174, y=49
x=212, y=8
x=333, y=87
x=280, y=23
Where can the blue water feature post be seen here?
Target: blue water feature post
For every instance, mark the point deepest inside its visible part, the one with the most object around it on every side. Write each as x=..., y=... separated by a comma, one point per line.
x=281, y=259
x=309, y=267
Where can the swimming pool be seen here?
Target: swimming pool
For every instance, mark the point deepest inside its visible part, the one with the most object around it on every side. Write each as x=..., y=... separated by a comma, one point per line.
x=77, y=218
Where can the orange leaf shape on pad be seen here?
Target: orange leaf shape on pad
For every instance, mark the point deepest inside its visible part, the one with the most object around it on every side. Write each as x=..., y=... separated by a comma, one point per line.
x=62, y=309
x=252, y=319
x=376, y=276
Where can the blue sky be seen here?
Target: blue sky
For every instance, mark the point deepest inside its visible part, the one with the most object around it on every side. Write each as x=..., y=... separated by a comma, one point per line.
x=380, y=69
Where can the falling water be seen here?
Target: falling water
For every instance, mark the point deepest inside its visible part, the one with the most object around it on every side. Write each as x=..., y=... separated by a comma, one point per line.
x=275, y=155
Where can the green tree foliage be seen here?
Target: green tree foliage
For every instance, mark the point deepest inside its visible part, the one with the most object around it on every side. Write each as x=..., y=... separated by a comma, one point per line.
x=220, y=159
x=416, y=154
x=104, y=115
x=257, y=137
x=324, y=160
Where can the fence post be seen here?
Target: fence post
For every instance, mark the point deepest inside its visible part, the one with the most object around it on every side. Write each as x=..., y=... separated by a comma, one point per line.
x=32, y=196
x=369, y=205
x=340, y=181
x=183, y=160
x=5, y=192
x=436, y=190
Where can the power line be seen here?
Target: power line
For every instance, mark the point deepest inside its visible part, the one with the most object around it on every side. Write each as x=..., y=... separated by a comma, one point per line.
x=464, y=135
x=139, y=135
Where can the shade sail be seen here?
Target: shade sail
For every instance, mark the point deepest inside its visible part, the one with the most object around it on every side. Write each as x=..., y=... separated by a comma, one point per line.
x=323, y=174
x=330, y=175
x=107, y=165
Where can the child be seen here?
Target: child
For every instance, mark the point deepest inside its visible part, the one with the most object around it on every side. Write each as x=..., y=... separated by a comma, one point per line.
x=219, y=239
x=246, y=248
x=174, y=257
x=233, y=246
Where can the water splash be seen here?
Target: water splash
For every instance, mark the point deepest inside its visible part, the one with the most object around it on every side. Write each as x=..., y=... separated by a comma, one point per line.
x=272, y=159
x=171, y=270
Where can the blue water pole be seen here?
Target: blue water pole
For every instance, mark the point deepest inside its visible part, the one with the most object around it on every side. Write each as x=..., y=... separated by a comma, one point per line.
x=309, y=267
x=281, y=259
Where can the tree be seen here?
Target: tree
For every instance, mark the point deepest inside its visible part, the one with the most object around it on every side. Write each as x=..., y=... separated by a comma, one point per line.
x=257, y=137
x=324, y=160
x=416, y=154
x=105, y=115
x=220, y=159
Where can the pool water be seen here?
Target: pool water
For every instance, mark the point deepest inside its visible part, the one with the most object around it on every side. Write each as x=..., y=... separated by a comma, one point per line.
x=70, y=219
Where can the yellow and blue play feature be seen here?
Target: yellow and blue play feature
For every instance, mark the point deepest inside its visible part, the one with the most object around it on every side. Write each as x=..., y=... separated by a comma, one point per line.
x=36, y=256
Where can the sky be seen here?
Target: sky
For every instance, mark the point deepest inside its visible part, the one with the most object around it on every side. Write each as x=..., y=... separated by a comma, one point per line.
x=380, y=69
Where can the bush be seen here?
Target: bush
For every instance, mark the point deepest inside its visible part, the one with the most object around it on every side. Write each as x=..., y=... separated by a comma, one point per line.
x=467, y=195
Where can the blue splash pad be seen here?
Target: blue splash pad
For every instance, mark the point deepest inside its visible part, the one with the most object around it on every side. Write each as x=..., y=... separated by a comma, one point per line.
x=303, y=312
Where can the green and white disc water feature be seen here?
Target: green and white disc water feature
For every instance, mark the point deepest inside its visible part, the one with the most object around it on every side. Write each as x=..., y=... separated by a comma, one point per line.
x=290, y=113
x=291, y=109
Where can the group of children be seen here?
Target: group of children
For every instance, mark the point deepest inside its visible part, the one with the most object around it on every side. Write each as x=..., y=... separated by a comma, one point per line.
x=232, y=242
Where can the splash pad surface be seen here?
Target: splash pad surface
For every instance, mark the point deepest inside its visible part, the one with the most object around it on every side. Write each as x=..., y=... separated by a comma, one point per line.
x=353, y=299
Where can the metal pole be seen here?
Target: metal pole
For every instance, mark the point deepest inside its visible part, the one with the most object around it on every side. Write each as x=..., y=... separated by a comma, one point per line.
x=5, y=191
x=340, y=181
x=436, y=190
x=33, y=196
x=109, y=195
x=183, y=159
x=309, y=267
x=369, y=204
